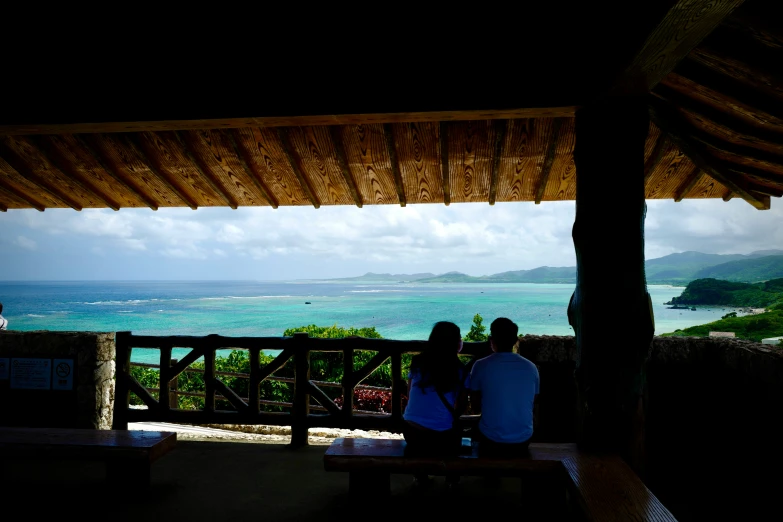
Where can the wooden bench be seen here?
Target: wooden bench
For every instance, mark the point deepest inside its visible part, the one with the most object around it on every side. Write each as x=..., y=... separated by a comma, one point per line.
x=128, y=455
x=600, y=488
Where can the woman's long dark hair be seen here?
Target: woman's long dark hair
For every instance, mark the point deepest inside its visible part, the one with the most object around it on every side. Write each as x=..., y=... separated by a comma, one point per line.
x=438, y=363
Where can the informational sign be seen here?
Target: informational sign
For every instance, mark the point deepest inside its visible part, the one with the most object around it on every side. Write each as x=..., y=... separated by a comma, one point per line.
x=5, y=364
x=62, y=374
x=31, y=374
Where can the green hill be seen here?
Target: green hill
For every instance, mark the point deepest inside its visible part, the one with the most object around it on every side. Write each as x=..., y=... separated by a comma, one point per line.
x=717, y=292
x=750, y=327
x=748, y=270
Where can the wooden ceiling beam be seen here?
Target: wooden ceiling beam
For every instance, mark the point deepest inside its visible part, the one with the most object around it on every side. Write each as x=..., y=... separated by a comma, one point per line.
x=728, y=195
x=763, y=30
x=444, y=161
x=288, y=121
x=342, y=163
x=154, y=165
x=288, y=149
x=655, y=157
x=249, y=167
x=686, y=24
x=204, y=171
x=688, y=183
x=24, y=170
x=549, y=159
x=66, y=168
x=669, y=122
x=95, y=154
x=3, y=208
x=500, y=136
x=395, y=164
x=21, y=195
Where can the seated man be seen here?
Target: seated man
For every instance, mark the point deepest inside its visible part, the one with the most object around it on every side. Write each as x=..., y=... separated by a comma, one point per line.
x=504, y=389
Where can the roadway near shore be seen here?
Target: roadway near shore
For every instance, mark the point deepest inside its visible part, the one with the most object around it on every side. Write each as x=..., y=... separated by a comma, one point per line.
x=252, y=433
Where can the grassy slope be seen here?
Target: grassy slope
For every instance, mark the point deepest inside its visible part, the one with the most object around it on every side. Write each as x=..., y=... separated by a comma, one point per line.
x=749, y=270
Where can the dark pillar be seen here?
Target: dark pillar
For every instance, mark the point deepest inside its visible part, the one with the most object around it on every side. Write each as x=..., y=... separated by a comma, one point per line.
x=610, y=309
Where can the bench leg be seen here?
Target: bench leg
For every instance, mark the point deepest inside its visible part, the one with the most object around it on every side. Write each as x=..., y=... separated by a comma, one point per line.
x=133, y=472
x=364, y=485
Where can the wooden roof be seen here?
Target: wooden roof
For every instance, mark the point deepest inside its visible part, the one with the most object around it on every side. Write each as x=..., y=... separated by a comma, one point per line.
x=716, y=132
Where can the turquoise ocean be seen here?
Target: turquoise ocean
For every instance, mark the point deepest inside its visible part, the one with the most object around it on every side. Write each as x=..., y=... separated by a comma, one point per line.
x=249, y=308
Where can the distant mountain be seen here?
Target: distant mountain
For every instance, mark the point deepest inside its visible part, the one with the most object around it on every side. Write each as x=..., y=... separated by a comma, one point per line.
x=746, y=270
x=674, y=269
x=386, y=278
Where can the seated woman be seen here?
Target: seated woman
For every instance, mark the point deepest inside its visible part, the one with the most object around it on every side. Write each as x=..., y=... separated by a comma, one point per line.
x=436, y=397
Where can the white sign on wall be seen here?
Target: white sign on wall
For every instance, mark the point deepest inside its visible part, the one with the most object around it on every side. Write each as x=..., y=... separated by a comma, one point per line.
x=62, y=376
x=31, y=374
x=5, y=363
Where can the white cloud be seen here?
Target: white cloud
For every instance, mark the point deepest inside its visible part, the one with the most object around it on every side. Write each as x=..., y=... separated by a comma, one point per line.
x=26, y=243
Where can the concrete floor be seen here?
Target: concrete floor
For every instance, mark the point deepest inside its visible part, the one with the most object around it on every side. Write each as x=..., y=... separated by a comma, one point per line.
x=248, y=480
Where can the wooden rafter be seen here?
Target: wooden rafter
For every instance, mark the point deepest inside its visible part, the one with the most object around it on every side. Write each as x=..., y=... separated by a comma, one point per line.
x=339, y=152
x=11, y=190
x=444, y=162
x=655, y=156
x=18, y=164
x=250, y=170
x=549, y=159
x=669, y=122
x=66, y=168
x=395, y=165
x=765, y=31
x=3, y=208
x=204, y=171
x=288, y=150
x=730, y=88
x=726, y=119
x=289, y=121
x=728, y=195
x=761, y=157
x=500, y=136
x=690, y=181
x=686, y=24
x=95, y=153
x=151, y=162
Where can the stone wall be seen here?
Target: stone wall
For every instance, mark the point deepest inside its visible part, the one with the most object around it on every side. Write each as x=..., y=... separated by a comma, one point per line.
x=713, y=424
x=89, y=401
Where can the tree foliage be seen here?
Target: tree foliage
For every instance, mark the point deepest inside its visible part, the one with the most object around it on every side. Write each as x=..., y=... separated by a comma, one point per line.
x=477, y=329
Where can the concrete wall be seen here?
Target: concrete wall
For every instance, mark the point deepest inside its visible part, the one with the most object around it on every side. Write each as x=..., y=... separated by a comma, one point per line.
x=87, y=401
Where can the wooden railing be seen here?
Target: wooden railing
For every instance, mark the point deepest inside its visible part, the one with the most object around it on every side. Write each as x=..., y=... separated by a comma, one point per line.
x=247, y=410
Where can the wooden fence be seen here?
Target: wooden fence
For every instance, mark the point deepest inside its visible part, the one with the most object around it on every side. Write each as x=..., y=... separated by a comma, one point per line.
x=302, y=415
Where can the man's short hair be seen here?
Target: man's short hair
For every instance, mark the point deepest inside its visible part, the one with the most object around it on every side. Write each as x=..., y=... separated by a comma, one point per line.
x=505, y=334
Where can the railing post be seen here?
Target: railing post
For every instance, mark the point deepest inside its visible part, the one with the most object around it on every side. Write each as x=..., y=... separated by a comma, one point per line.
x=301, y=409
x=254, y=390
x=164, y=397
x=173, y=395
x=209, y=380
x=122, y=350
x=396, y=409
x=347, y=379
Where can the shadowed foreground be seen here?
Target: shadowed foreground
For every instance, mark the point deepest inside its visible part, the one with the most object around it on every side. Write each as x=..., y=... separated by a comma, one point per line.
x=243, y=481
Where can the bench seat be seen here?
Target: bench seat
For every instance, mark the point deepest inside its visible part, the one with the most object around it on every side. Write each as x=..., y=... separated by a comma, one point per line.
x=128, y=454
x=599, y=487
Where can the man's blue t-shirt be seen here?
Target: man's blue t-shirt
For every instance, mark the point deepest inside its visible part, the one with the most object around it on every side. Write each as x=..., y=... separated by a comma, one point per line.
x=508, y=384
x=425, y=407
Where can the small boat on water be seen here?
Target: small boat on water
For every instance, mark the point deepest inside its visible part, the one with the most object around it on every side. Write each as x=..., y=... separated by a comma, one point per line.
x=308, y=302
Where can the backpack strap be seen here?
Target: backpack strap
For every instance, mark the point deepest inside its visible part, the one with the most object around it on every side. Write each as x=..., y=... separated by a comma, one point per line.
x=448, y=406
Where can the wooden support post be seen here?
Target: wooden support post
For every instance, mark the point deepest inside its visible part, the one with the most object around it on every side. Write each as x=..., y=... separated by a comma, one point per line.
x=122, y=350
x=397, y=383
x=301, y=391
x=174, y=389
x=612, y=350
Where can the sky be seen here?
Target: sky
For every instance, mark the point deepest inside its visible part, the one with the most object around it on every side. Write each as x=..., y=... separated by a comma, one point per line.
x=264, y=244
